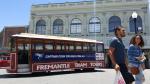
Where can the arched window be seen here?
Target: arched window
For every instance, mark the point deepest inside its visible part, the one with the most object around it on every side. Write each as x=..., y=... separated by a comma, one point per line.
x=94, y=25
x=41, y=27
x=114, y=21
x=75, y=26
x=138, y=24
x=58, y=26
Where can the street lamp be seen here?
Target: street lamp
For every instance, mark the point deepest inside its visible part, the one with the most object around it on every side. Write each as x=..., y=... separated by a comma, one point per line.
x=134, y=16
x=139, y=29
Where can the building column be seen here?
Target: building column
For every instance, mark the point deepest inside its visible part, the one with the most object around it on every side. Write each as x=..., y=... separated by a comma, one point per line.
x=84, y=31
x=66, y=25
x=31, y=26
x=51, y=24
x=48, y=26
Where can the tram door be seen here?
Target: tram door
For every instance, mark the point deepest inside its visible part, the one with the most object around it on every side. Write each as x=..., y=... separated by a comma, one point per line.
x=23, y=57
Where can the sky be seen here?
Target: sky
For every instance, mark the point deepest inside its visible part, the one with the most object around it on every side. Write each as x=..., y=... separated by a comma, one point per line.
x=17, y=12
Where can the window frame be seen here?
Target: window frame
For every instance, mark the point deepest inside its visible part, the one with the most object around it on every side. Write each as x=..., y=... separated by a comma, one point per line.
x=94, y=24
x=75, y=26
x=58, y=26
x=40, y=27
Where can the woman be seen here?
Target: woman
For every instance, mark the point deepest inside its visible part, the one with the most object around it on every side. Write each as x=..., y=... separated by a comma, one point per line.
x=136, y=58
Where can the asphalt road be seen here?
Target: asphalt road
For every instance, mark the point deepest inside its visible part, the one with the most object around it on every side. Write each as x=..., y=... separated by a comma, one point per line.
x=103, y=76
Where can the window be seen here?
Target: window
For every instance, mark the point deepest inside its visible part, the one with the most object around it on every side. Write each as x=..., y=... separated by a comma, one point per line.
x=27, y=46
x=92, y=47
x=63, y=47
x=138, y=24
x=20, y=46
x=94, y=25
x=100, y=48
x=114, y=21
x=71, y=47
x=38, y=46
x=41, y=27
x=58, y=26
x=58, y=47
x=85, y=47
x=23, y=46
x=49, y=46
x=75, y=26
x=67, y=47
x=78, y=47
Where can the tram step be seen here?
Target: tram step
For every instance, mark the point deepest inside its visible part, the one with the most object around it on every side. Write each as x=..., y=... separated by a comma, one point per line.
x=20, y=66
x=23, y=70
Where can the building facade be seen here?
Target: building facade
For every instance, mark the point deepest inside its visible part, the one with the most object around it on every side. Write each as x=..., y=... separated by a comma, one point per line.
x=7, y=32
x=93, y=20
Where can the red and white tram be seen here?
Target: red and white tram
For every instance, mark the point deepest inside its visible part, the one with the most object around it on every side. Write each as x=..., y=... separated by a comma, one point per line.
x=42, y=53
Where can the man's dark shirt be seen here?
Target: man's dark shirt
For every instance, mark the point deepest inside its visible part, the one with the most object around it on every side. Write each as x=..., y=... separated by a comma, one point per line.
x=119, y=53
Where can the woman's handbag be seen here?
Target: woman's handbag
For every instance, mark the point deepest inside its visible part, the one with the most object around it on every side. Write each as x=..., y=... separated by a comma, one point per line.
x=134, y=70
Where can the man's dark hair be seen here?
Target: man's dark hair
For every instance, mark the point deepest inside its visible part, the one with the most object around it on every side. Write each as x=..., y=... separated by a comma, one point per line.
x=132, y=41
x=117, y=29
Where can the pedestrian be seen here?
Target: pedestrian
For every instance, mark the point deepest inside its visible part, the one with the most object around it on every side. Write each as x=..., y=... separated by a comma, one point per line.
x=136, y=58
x=118, y=56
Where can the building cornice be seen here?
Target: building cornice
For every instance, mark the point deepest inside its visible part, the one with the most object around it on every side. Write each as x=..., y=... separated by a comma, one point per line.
x=86, y=3
x=78, y=7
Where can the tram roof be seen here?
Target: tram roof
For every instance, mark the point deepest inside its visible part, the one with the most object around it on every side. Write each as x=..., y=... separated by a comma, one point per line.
x=29, y=35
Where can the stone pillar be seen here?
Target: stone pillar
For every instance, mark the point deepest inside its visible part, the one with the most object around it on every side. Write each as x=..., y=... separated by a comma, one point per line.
x=51, y=25
x=84, y=25
x=31, y=25
x=48, y=26
x=66, y=25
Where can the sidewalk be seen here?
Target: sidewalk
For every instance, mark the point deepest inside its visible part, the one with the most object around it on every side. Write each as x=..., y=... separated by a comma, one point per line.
x=102, y=76
x=112, y=72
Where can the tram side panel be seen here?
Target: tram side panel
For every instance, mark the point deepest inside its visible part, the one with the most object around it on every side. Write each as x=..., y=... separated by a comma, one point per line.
x=60, y=61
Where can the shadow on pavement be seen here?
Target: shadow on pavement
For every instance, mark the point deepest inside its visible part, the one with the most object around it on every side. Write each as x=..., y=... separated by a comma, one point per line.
x=40, y=74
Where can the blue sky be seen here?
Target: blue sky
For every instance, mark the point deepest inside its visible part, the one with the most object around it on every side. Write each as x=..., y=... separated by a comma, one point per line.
x=17, y=12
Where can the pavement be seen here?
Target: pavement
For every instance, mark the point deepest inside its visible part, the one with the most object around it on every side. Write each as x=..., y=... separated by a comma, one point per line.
x=102, y=76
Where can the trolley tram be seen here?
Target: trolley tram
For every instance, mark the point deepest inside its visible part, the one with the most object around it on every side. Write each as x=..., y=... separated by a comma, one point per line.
x=31, y=53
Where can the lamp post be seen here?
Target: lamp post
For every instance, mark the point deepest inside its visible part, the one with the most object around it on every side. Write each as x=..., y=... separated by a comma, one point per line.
x=140, y=30
x=134, y=16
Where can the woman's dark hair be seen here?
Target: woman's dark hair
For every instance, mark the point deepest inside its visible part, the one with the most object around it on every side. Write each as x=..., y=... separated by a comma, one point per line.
x=132, y=41
x=118, y=28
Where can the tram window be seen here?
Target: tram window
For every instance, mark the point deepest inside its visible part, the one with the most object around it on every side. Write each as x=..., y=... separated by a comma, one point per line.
x=58, y=47
x=78, y=47
x=100, y=48
x=71, y=47
x=49, y=46
x=1, y=58
x=93, y=47
x=63, y=47
x=67, y=47
x=20, y=46
x=23, y=46
x=13, y=49
x=39, y=47
x=85, y=48
x=27, y=46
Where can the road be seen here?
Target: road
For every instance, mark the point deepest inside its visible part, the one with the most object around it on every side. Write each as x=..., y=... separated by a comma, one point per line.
x=103, y=76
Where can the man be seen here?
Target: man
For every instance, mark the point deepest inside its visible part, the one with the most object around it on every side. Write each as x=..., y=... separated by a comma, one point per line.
x=118, y=56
